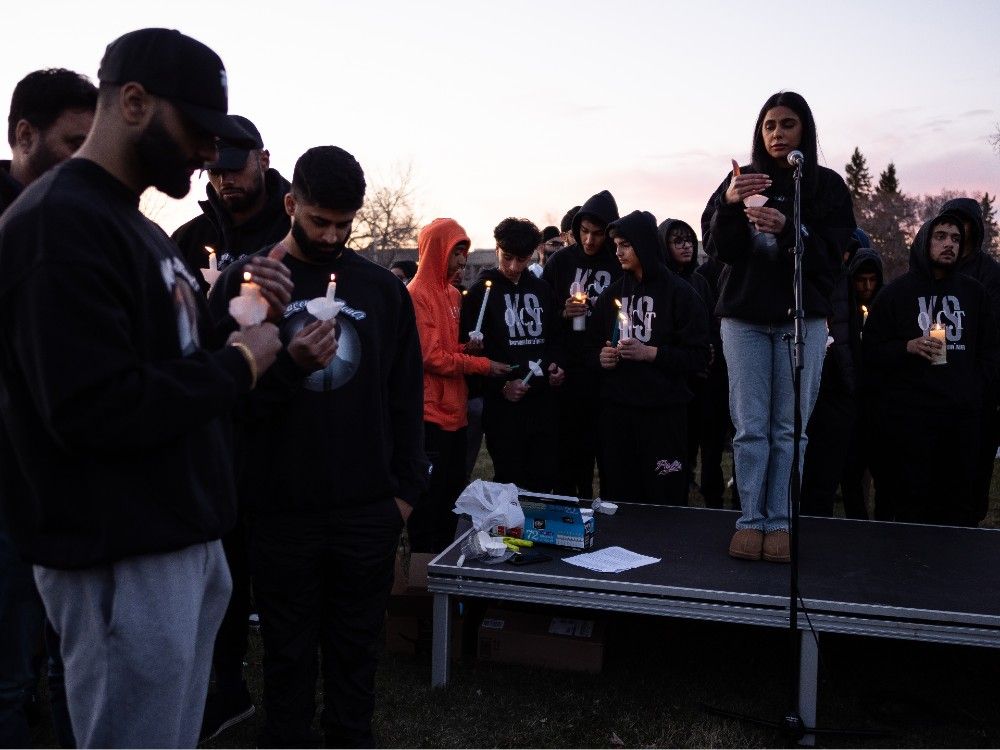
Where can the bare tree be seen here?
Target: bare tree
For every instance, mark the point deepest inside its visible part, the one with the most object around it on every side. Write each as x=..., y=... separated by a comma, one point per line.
x=386, y=221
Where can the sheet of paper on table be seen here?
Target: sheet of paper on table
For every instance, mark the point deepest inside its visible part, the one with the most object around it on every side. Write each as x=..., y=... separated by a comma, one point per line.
x=611, y=560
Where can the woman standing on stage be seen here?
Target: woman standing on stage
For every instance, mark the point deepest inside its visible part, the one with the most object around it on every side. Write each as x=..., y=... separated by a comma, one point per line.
x=756, y=298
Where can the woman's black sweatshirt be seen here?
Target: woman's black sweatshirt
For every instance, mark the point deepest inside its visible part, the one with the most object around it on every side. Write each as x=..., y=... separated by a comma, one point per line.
x=757, y=285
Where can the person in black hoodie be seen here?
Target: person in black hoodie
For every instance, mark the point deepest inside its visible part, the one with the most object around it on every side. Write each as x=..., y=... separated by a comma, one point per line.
x=115, y=393
x=244, y=208
x=646, y=351
x=755, y=304
x=519, y=328
x=926, y=445
x=678, y=249
x=865, y=276
x=589, y=262
x=984, y=269
x=332, y=460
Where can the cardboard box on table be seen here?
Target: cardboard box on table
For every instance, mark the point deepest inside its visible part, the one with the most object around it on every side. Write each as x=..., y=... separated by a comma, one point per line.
x=409, y=616
x=552, y=638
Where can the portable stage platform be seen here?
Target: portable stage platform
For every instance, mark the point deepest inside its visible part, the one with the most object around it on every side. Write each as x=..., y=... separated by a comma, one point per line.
x=891, y=580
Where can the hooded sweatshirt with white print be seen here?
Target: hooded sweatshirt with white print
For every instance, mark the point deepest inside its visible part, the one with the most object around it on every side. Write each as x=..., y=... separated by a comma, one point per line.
x=662, y=310
x=904, y=310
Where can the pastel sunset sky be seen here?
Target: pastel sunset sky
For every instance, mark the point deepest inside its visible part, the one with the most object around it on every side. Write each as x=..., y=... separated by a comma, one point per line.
x=526, y=108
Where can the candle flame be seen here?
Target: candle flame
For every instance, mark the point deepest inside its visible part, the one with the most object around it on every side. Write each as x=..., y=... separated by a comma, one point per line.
x=619, y=303
x=246, y=276
x=465, y=292
x=489, y=284
x=864, y=309
x=333, y=277
x=210, y=249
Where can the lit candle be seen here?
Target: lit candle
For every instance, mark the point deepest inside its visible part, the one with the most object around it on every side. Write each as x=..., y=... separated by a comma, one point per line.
x=213, y=261
x=864, y=315
x=618, y=329
x=248, y=288
x=937, y=333
x=482, y=308
x=331, y=288
x=576, y=291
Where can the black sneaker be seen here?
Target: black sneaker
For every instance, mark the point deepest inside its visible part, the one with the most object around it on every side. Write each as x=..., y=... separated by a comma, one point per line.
x=223, y=711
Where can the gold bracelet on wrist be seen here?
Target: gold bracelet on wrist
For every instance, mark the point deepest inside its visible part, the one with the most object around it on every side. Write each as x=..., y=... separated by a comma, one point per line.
x=251, y=361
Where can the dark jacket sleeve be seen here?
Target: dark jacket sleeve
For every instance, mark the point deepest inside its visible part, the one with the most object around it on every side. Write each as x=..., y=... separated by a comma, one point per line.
x=555, y=336
x=92, y=383
x=599, y=328
x=725, y=230
x=688, y=353
x=408, y=464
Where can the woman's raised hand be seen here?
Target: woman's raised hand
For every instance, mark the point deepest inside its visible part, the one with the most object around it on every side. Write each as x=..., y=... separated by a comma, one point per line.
x=742, y=185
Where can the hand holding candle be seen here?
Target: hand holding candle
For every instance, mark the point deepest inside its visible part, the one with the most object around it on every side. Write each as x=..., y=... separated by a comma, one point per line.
x=250, y=307
x=938, y=334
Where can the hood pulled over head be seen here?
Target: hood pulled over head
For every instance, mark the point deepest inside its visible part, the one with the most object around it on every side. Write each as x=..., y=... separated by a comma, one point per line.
x=434, y=244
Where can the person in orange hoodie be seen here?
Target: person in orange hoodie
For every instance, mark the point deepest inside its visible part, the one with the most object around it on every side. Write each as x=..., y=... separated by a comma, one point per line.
x=442, y=249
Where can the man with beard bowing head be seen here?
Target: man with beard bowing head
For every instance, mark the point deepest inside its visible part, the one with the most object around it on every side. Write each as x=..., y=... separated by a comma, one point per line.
x=331, y=462
x=115, y=394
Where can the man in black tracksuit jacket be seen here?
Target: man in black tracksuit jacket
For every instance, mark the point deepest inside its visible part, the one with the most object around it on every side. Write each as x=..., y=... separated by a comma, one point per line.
x=520, y=325
x=244, y=208
x=589, y=261
x=330, y=457
x=928, y=416
x=984, y=269
x=644, y=375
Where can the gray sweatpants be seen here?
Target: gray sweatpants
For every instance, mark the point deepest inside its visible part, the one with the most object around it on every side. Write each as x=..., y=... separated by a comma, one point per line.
x=137, y=639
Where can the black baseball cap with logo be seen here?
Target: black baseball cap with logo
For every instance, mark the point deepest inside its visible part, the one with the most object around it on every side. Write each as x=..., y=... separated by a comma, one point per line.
x=178, y=68
x=233, y=156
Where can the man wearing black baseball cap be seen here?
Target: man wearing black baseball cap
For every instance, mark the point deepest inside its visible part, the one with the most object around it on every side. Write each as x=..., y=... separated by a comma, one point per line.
x=117, y=394
x=244, y=208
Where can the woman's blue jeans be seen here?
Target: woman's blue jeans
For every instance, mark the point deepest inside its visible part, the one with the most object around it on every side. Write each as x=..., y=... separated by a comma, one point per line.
x=759, y=358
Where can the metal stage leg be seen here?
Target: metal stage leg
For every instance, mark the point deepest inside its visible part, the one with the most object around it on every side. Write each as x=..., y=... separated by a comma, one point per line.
x=808, y=682
x=440, y=658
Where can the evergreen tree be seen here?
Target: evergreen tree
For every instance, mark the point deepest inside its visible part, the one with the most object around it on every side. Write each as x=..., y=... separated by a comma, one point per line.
x=859, y=179
x=991, y=231
x=888, y=183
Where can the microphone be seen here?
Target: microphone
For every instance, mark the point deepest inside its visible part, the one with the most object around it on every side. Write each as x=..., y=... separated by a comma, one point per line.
x=795, y=158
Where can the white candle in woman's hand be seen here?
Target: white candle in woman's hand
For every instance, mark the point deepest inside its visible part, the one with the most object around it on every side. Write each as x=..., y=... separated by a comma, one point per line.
x=213, y=261
x=482, y=308
x=331, y=288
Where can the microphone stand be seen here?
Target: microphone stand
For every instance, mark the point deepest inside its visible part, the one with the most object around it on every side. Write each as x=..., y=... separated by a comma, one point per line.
x=791, y=723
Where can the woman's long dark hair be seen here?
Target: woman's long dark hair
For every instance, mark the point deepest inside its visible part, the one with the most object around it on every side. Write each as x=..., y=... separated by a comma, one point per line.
x=762, y=161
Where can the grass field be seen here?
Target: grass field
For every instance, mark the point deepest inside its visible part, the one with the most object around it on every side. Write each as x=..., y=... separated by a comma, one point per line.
x=658, y=674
